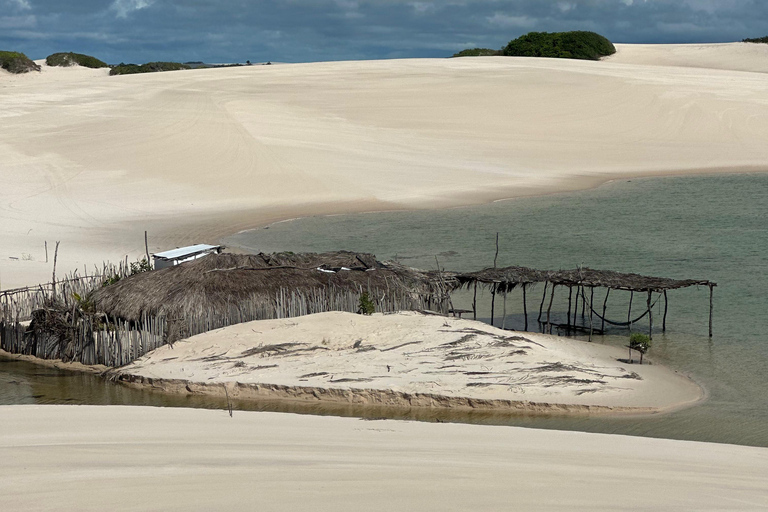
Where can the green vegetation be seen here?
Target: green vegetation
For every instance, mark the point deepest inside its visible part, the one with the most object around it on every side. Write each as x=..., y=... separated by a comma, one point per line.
x=149, y=67
x=16, y=62
x=142, y=265
x=560, y=45
x=366, y=305
x=477, y=52
x=640, y=343
x=763, y=40
x=72, y=59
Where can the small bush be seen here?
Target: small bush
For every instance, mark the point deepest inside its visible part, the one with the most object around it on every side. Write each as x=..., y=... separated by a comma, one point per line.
x=149, y=67
x=72, y=59
x=366, y=305
x=142, y=265
x=640, y=343
x=17, y=62
x=477, y=52
x=763, y=40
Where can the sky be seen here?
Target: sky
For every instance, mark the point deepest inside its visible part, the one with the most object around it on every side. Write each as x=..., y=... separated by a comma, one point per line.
x=316, y=30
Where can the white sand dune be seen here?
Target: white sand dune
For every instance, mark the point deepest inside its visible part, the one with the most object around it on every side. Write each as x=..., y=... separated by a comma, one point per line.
x=749, y=57
x=410, y=360
x=138, y=458
x=94, y=160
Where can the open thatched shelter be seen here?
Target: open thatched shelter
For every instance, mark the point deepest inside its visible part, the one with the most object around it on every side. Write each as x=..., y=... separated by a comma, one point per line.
x=224, y=289
x=504, y=280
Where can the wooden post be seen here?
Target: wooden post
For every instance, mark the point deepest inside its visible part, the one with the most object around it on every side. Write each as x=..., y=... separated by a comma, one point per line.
x=576, y=308
x=650, y=315
x=551, y=299
x=591, y=302
x=525, y=308
x=541, y=306
x=493, y=302
x=46, y=251
x=583, y=302
x=666, y=305
x=504, y=316
x=474, y=304
x=497, y=250
x=711, y=291
x=570, y=295
x=605, y=306
x=55, y=257
x=629, y=312
x=146, y=246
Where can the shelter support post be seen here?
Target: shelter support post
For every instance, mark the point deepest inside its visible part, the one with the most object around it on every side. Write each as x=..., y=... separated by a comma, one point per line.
x=504, y=316
x=576, y=307
x=493, y=302
x=474, y=304
x=591, y=304
x=584, y=300
x=525, y=309
x=605, y=306
x=650, y=315
x=541, y=306
x=570, y=295
x=629, y=311
x=548, y=327
x=666, y=307
x=711, y=292
x=583, y=303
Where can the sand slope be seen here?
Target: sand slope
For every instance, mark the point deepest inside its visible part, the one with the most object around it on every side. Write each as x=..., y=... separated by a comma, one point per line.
x=138, y=458
x=94, y=160
x=749, y=57
x=410, y=360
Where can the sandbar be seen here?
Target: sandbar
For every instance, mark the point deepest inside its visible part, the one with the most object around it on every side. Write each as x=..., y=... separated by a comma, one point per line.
x=410, y=360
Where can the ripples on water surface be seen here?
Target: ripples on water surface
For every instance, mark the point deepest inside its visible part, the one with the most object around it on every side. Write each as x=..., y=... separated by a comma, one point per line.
x=712, y=228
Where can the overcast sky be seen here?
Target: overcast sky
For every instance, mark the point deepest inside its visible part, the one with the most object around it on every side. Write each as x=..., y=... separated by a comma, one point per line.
x=312, y=30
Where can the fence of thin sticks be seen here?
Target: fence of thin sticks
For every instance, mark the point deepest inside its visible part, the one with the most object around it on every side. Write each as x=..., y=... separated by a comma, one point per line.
x=94, y=339
x=18, y=304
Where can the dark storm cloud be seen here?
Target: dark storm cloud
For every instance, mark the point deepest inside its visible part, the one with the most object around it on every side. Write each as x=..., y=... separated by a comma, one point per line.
x=308, y=30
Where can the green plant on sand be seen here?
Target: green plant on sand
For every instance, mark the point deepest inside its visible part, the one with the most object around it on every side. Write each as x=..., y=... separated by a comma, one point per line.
x=139, y=266
x=72, y=59
x=17, y=62
x=149, y=67
x=640, y=343
x=477, y=52
x=366, y=306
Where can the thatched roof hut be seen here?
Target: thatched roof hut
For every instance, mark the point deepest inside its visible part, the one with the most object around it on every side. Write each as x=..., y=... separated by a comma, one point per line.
x=224, y=289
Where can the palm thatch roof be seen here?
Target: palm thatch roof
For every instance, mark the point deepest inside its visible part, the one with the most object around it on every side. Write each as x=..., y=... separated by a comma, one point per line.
x=217, y=282
x=507, y=278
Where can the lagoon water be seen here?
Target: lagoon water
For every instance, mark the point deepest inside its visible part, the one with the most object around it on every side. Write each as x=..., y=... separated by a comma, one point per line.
x=713, y=228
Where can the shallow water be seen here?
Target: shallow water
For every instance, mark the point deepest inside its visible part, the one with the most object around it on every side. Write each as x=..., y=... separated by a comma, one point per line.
x=712, y=228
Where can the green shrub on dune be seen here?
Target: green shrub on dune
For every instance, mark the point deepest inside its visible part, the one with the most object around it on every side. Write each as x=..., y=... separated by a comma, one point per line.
x=763, y=40
x=149, y=67
x=477, y=52
x=561, y=45
x=17, y=62
x=72, y=59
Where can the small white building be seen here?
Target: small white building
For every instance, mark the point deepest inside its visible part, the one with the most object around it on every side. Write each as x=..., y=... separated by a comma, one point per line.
x=182, y=254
